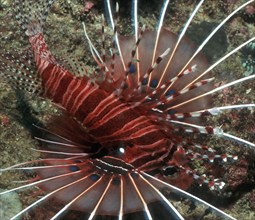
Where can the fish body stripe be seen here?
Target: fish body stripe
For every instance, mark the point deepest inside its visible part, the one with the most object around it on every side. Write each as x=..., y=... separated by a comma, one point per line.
x=100, y=108
x=73, y=85
x=107, y=118
x=75, y=98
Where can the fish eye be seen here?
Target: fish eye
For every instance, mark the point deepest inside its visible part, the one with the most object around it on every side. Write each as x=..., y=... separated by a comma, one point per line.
x=169, y=171
x=121, y=150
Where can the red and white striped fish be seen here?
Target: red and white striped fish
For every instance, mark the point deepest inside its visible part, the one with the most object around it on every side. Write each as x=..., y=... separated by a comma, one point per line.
x=116, y=148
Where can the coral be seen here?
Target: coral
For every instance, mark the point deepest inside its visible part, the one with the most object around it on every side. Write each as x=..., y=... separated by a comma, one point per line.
x=237, y=174
x=248, y=58
x=10, y=204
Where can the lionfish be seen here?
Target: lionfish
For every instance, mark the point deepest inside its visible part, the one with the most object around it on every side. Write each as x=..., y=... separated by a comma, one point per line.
x=120, y=144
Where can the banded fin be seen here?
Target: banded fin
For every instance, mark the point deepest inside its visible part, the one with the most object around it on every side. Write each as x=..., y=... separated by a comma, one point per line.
x=31, y=22
x=21, y=68
x=19, y=72
x=73, y=176
x=173, y=80
x=104, y=187
x=151, y=46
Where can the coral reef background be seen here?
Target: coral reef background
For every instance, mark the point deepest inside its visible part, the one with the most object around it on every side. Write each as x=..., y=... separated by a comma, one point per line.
x=64, y=35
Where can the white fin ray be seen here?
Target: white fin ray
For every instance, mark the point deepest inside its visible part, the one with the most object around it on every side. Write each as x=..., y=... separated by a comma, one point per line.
x=215, y=90
x=180, y=38
x=163, y=198
x=56, y=142
x=100, y=200
x=75, y=199
x=212, y=34
x=93, y=50
x=38, y=182
x=19, y=165
x=162, y=16
x=44, y=198
x=221, y=60
x=188, y=195
x=215, y=131
x=135, y=22
x=141, y=198
x=62, y=153
x=211, y=111
x=109, y=8
x=120, y=214
x=54, y=134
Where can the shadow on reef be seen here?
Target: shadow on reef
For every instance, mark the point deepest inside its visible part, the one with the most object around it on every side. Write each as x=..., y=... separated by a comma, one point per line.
x=26, y=117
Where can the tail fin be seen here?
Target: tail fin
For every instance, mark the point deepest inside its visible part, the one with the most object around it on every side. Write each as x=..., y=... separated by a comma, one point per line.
x=31, y=15
x=17, y=69
x=18, y=66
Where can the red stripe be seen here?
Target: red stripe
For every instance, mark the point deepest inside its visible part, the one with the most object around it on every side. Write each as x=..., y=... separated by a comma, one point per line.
x=100, y=108
x=119, y=109
x=125, y=131
x=72, y=87
x=83, y=85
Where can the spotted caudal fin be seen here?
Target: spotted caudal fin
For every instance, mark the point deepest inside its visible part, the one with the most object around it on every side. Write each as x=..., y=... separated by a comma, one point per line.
x=39, y=71
x=32, y=15
x=16, y=69
x=19, y=67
